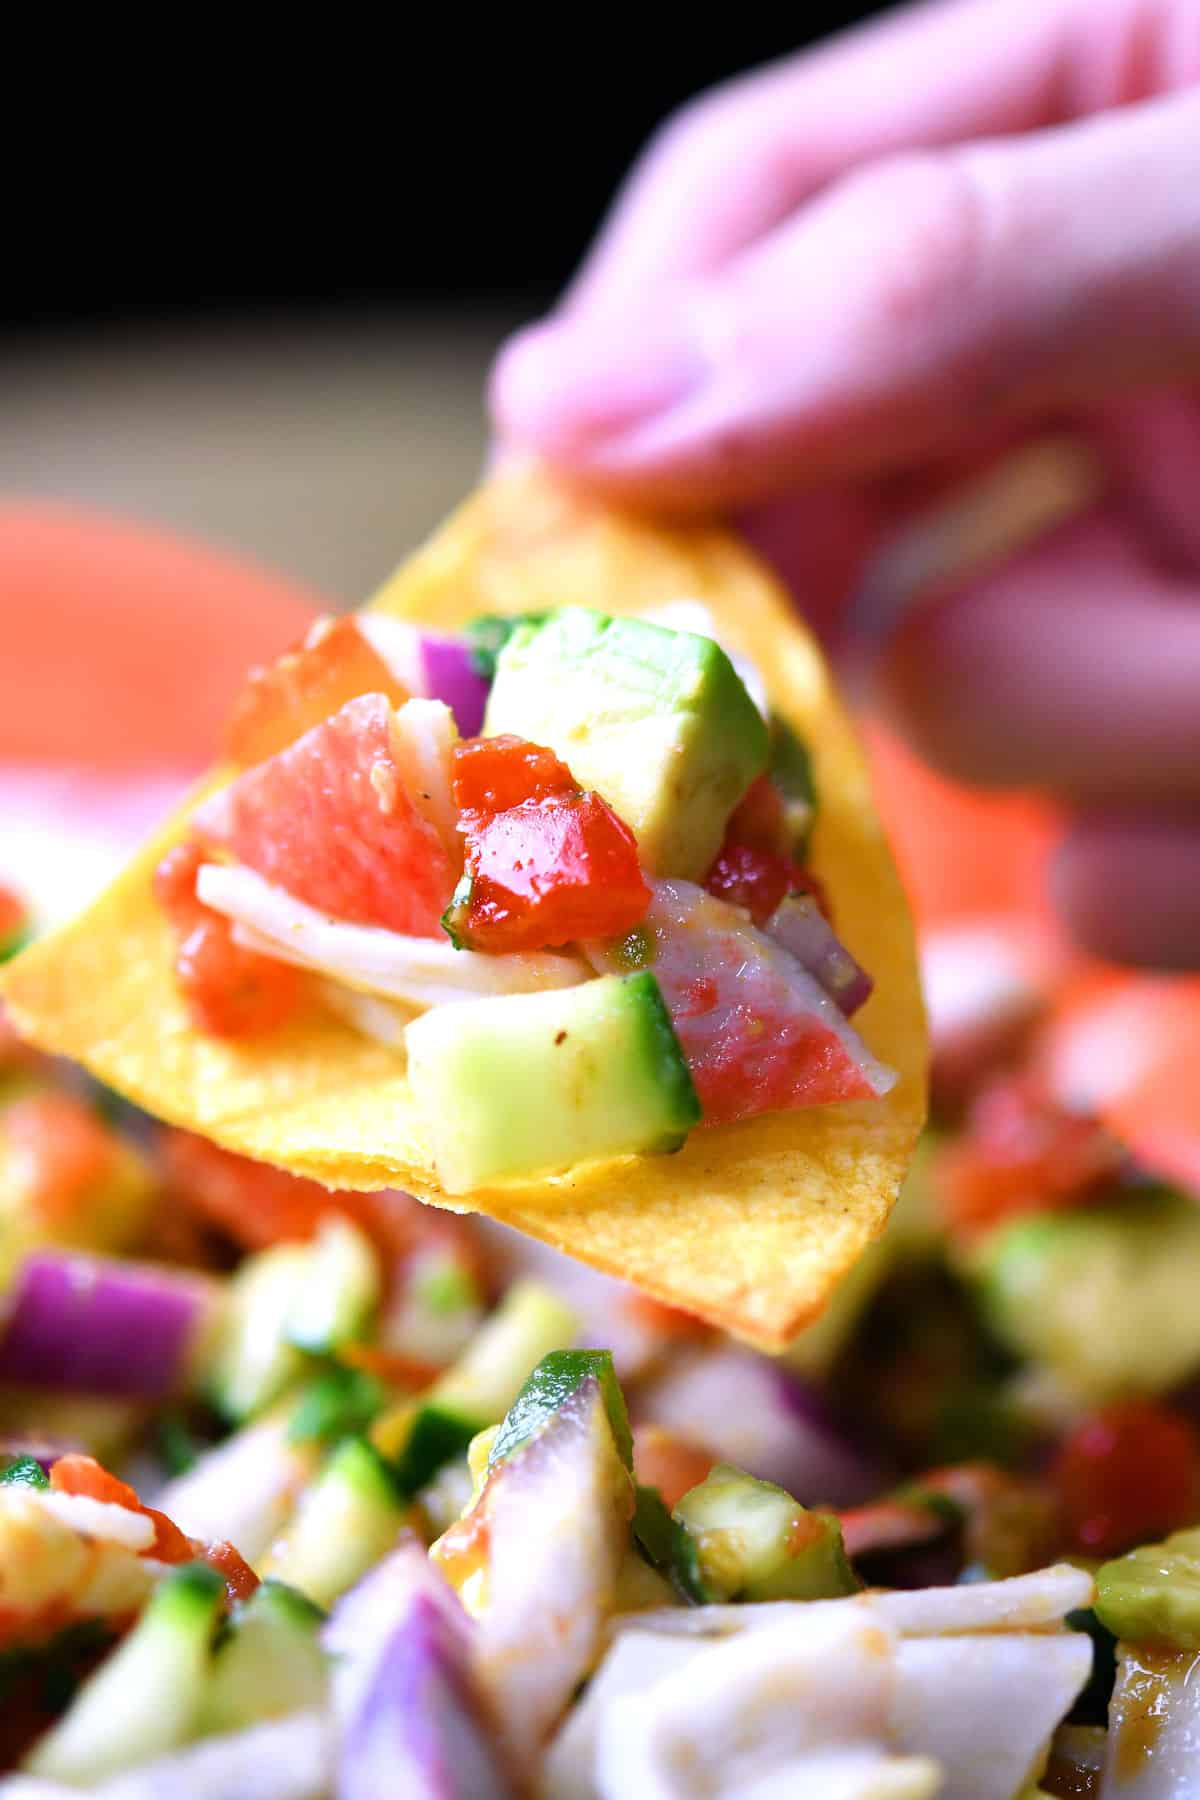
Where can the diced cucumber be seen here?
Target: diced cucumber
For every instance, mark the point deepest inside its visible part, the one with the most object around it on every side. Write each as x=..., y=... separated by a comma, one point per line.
x=338, y=1402
x=528, y=1324
x=527, y=1084
x=550, y=1385
x=742, y=1539
x=255, y=1359
x=337, y=1297
x=346, y=1520
x=145, y=1698
x=271, y=1663
x=479, y=1388
x=24, y=1471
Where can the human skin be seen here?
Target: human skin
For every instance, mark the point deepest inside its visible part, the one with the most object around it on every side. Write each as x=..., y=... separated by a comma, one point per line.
x=834, y=288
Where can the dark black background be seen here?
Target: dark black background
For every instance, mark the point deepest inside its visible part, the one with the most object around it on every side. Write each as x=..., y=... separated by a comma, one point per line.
x=357, y=159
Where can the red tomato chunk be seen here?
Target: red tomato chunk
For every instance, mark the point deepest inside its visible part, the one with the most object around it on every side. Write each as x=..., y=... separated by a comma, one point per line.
x=549, y=864
x=1127, y=1475
x=230, y=992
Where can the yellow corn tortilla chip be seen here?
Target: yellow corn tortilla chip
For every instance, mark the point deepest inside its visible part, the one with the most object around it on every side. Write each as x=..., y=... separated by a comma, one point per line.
x=749, y=1226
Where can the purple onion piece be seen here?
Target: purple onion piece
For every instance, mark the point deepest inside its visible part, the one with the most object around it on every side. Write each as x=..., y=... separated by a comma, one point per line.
x=94, y=1325
x=750, y=1411
x=450, y=677
x=802, y=928
x=417, y=1729
x=410, y=1718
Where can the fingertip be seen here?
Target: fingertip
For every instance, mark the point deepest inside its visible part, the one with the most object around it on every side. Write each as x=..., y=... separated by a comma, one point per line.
x=1128, y=888
x=570, y=386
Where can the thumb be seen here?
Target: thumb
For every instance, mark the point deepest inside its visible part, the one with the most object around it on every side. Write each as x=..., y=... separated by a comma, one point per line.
x=915, y=303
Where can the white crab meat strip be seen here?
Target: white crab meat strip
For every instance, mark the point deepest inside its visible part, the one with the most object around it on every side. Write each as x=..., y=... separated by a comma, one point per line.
x=418, y=971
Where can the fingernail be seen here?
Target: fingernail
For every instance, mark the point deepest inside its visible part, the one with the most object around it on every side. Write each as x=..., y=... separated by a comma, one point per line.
x=571, y=383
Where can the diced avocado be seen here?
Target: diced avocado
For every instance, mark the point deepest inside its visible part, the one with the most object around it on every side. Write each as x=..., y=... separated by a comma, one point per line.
x=488, y=634
x=337, y=1403
x=338, y=1295
x=658, y=722
x=346, y=1520
x=530, y=1083
x=791, y=770
x=254, y=1359
x=1106, y=1296
x=270, y=1664
x=742, y=1539
x=479, y=1388
x=552, y=1383
x=24, y=1471
x=145, y=1698
x=1153, y=1594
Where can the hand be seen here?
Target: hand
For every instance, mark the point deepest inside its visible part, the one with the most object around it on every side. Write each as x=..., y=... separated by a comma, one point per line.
x=834, y=288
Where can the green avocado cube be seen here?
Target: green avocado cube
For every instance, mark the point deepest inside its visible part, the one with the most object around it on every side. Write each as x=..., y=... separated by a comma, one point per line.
x=657, y=722
x=528, y=1084
x=1152, y=1595
x=1105, y=1296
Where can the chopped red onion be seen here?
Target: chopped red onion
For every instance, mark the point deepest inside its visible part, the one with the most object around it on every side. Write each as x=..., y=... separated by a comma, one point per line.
x=410, y=1719
x=802, y=928
x=98, y=1326
x=451, y=678
x=750, y=1411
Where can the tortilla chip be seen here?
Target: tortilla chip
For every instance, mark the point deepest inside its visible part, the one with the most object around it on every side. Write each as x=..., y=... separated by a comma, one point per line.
x=749, y=1226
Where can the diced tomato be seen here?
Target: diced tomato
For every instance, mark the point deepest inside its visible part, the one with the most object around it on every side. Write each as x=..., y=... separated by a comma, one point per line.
x=230, y=992
x=175, y=884
x=1019, y=1153
x=78, y=1474
x=332, y=663
x=549, y=864
x=258, y=1205
x=240, y=1579
x=758, y=880
x=390, y=1367
x=492, y=774
x=668, y=1321
x=760, y=818
x=14, y=921
x=1127, y=1475
x=64, y=1152
x=674, y=1465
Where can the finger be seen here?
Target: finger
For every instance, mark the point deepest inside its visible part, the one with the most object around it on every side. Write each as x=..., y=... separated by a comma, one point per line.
x=1075, y=666
x=910, y=305
x=1129, y=888
x=735, y=162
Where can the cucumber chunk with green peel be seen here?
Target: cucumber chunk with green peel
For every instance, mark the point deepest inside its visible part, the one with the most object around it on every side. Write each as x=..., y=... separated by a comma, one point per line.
x=146, y=1698
x=742, y=1539
x=656, y=721
x=1104, y=1296
x=271, y=1663
x=255, y=1360
x=1152, y=1595
x=24, y=1471
x=531, y=1083
x=347, y=1519
x=340, y=1290
x=478, y=1389
x=338, y=1402
x=549, y=1388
